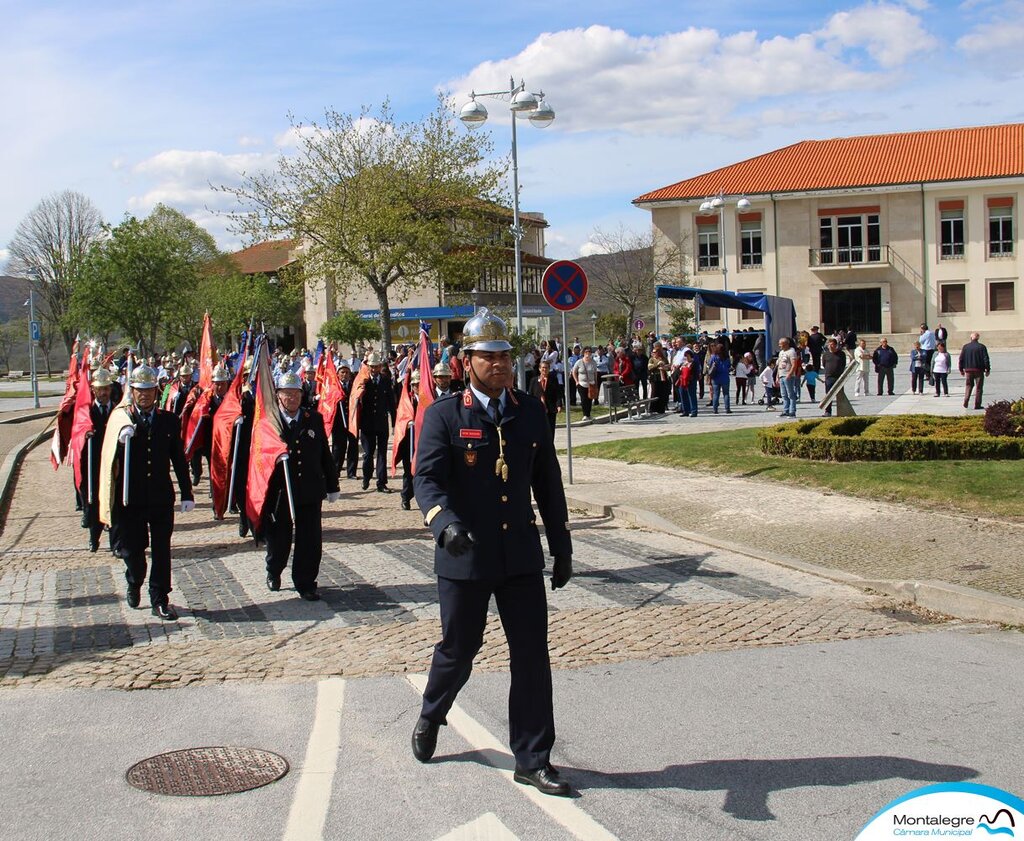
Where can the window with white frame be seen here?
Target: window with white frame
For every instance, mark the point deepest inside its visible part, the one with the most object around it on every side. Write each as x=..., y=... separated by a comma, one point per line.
x=750, y=243
x=951, y=232
x=1000, y=228
x=848, y=238
x=707, y=247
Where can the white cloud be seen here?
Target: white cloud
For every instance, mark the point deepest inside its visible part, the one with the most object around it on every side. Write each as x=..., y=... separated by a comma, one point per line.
x=247, y=142
x=600, y=78
x=998, y=39
x=4, y=256
x=589, y=249
x=185, y=180
x=890, y=34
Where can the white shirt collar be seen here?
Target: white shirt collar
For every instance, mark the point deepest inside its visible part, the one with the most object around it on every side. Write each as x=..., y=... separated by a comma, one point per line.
x=485, y=401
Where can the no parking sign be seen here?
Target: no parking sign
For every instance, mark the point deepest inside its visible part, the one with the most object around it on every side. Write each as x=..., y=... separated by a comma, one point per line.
x=564, y=285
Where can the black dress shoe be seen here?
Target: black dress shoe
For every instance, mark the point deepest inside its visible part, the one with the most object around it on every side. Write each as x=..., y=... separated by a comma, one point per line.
x=424, y=739
x=405, y=505
x=545, y=779
x=309, y=595
x=366, y=484
x=273, y=583
x=94, y=545
x=243, y=528
x=134, y=595
x=164, y=611
x=383, y=489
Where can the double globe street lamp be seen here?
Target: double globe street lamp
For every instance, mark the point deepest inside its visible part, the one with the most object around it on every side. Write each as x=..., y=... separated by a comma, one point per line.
x=474, y=115
x=717, y=204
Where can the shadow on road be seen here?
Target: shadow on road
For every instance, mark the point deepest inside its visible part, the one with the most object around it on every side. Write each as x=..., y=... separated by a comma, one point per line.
x=747, y=783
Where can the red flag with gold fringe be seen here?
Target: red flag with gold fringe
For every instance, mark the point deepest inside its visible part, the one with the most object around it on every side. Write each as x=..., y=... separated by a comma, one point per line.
x=267, y=444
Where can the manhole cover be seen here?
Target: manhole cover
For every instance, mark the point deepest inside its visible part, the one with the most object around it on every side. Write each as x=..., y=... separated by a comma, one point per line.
x=202, y=772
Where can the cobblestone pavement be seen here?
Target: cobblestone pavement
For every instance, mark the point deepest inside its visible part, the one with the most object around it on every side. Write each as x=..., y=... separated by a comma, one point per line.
x=864, y=537
x=636, y=595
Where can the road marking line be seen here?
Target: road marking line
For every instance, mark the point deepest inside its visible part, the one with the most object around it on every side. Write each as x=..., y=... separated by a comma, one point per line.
x=563, y=810
x=313, y=790
x=485, y=828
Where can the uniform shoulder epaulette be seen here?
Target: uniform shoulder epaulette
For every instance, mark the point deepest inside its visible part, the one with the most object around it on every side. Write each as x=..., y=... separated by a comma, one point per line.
x=441, y=397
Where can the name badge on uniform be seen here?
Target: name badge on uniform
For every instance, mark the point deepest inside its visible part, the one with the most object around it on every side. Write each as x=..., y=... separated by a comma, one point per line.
x=476, y=434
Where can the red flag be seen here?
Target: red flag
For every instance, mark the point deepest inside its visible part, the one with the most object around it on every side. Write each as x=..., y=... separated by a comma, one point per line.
x=230, y=410
x=356, y=398
x=81, y=427
x=405, y=414
x=172, y=391
x=426, y=392
x=329, y=390
x=65, y=419
x=267, y=444
x=195, y=420
x=207, y=354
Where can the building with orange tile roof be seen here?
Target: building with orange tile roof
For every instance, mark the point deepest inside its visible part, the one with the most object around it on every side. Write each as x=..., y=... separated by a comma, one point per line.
x=880, y=233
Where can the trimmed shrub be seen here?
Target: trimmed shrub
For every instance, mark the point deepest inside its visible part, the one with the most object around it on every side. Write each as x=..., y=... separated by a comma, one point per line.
x=1005, y=418
x=896, y=438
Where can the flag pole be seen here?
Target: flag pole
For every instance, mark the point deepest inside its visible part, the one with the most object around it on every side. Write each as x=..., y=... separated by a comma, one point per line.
x=288, y=486
x=234, y=461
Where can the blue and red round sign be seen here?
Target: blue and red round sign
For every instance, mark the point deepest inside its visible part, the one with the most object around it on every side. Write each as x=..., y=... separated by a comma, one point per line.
x=564, y=285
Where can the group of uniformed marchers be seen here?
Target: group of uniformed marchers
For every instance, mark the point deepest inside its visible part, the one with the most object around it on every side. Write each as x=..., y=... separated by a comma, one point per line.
x=276, y=438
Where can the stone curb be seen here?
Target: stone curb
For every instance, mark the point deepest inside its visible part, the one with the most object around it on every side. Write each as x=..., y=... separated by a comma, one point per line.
x=31, y=415
x=9, y=470
x=940, y=596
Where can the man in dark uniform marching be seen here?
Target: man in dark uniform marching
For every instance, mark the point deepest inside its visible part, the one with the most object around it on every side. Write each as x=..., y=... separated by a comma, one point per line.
x=478, y=458
x=344, y=444
x=376, y=407
x=99, y=412
x=444, y=385
x=148, y=449
x=312, y=475
x=241, y=467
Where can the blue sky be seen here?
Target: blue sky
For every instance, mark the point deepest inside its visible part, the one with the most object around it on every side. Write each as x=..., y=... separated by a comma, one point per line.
x=134, y=103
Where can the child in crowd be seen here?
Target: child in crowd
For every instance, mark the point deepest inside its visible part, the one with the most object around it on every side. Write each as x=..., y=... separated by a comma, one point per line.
x=811, y=381
x=770, y=386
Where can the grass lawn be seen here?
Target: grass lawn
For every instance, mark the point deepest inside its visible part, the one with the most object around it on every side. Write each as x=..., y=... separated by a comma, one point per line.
x=980, y=488
x=577, y=413
x=24, y=394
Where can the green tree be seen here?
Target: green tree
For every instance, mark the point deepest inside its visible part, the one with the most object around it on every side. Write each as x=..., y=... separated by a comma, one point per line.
x=138, y=280
x=392, y=206
x=12, y=335
x=50, y=246
x=610, y=326
x=681, y=320
x=349, y=328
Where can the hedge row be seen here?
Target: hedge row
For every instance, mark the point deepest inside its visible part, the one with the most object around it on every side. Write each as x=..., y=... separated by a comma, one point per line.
x=898, y=438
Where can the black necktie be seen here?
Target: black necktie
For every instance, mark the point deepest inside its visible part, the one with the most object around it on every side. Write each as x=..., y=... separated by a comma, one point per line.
x=494, y=408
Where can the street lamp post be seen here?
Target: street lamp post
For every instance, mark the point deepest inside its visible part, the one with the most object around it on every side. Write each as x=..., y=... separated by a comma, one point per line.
x=718, y=204
x=474, y=115
x=593, y=324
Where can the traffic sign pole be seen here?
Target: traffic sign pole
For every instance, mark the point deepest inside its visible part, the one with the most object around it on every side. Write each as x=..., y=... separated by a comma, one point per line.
x=565, y=287
x=32, y=346
x=568, y=420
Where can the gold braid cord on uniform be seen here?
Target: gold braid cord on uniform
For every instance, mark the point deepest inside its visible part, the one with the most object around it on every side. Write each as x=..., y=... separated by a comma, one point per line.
x=500, y=467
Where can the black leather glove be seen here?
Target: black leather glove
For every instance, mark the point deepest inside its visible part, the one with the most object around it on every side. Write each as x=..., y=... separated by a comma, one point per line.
x=457, y=539
x=561, y=572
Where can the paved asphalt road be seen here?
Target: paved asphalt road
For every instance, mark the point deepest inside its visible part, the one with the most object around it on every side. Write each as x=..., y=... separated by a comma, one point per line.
x=799, y=742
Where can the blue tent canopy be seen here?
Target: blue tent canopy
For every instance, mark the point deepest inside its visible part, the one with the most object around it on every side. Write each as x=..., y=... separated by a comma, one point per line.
x=779, y=313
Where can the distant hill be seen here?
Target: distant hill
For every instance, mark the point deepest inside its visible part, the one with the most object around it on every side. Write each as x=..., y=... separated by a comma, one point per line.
x=578, y=321
x=13, y=293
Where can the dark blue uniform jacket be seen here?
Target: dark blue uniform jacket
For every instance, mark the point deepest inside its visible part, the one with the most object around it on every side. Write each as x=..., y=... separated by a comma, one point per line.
x=455, y=481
